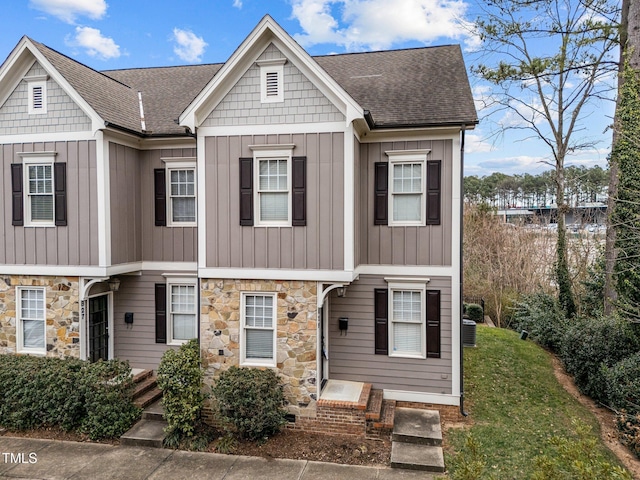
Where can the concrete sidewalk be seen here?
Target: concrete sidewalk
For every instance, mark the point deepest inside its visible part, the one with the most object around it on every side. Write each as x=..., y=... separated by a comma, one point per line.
x=27, y=458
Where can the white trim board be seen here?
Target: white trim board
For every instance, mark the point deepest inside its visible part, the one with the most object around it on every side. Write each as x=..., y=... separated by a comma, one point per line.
x=421, y=397
x=96, y=271
x=277, y=274
x=321, y=127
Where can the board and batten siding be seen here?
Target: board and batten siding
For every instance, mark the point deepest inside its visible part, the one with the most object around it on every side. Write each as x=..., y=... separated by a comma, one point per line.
x=137, y=342
x=352, y=356
x=318, y=245
x=63, y=115
x=387, y=245
x=73, y=244
x=163, y=244
x=126, y=211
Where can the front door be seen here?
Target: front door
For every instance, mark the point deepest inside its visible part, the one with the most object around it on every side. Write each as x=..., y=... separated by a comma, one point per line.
x=99, y=328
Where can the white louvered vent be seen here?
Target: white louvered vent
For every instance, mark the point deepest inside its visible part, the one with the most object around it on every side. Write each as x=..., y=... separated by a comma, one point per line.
x=272, y=84
x=38, y=98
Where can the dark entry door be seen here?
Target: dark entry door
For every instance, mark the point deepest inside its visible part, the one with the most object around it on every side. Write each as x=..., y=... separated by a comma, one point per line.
x=99, y=328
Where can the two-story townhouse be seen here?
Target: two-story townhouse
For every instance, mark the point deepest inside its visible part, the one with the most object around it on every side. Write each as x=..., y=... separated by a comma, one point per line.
x=291, y=212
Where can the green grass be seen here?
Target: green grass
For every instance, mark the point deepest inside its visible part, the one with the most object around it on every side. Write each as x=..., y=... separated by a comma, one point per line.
x=516, y=406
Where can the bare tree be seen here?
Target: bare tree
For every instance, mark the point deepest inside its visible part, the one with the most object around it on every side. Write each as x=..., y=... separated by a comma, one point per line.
x=549, y=61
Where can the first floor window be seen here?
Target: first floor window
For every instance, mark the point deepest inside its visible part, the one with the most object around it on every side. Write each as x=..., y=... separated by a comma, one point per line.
x=407, y=322
x=40, y=193
x=258, y=329
x=182, y=194
x=182, y=313
x=31, y=320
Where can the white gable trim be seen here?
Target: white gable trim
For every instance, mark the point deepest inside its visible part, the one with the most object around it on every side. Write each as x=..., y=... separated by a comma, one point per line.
x=21, y=59
x=266, y=32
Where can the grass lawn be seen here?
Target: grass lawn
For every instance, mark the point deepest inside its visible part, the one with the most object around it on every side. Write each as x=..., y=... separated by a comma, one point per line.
x=516, y=405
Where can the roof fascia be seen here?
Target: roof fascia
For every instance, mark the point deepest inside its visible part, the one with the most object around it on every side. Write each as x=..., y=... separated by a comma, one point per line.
x=13, y=70
x=265, y=32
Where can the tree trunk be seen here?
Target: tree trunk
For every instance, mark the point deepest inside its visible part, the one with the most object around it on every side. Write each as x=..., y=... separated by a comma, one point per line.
x=630, y=46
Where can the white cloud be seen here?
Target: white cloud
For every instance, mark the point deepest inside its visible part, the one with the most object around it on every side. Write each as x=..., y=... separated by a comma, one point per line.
x=378, y=24
x=96, y=44
x=476, y=144
x=237, y=4
x=69, y=10
x=189, y=47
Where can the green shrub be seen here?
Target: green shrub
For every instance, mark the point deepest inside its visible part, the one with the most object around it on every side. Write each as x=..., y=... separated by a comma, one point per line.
x=72, y=394
x=540, y=315
x=623, y=383
x=576, y=459
x=250, y=400
x=180, y=379
x=590, y=344
x=629, y=430
x=475, y=312
x=107, y=391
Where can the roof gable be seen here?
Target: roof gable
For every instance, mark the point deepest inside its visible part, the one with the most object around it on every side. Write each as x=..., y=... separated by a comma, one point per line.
x=267, y=32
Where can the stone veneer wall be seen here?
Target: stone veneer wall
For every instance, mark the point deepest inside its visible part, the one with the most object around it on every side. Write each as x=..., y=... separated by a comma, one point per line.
x=296, y=337
x=62, y=313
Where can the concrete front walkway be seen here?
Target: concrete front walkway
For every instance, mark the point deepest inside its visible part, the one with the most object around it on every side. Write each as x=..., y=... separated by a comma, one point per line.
x=26, y=458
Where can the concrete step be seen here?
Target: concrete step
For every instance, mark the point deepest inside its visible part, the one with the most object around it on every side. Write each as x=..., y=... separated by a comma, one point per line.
x=155, y=411
x=387, y=415
x=413, y=456
x=145, y=433
x=374, y=406
x=417, y=426
x=148, y=397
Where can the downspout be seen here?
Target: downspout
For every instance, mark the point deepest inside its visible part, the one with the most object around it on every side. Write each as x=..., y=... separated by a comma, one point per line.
x=463, y=127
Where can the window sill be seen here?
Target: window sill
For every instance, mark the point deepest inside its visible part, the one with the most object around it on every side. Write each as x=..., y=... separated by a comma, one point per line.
x=38, y=353
x=408, y=355
x=45, y=225
x=177, y=225
x=254, y=362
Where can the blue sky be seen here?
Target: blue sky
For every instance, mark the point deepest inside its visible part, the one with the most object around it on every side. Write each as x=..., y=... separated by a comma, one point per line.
x=110, y=34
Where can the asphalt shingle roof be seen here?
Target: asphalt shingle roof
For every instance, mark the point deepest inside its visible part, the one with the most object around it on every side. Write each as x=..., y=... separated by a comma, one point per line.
x=400, y=88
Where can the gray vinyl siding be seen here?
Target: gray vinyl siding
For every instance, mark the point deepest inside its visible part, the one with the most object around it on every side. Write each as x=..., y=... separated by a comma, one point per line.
x=386, y=245
x=63, y=115
x=351, y=356
x=318, y=245
x=303, y=102
x=74, y=244
x=163, y=244
x=137, y=342
x=126, y=211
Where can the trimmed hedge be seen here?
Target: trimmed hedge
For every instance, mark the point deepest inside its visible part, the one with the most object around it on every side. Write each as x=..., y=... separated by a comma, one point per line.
x=474, y=312
x=623, y=384
x=251, y=400
x=590, y=345
x=72, y=394
x=540, y=315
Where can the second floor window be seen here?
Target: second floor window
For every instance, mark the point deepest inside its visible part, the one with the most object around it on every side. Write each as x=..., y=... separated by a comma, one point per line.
x=406, y=192
x=182, y=195
x=273, y=191
x=40, y=193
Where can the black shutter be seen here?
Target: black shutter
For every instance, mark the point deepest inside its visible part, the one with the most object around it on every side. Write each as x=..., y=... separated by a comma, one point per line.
x=433, y=323
x=381, y=188
x=434, y=168
x=161, y=313
x=160, y=189
x=17, y=208
x=246, y=191
x=298, y=191
x=60, y=192
x=381, y=314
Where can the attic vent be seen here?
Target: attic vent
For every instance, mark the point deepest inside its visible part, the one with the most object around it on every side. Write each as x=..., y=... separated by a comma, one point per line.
x=37, y=97
x=272, y=84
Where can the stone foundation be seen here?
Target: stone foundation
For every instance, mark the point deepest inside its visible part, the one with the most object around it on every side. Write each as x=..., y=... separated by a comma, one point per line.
x=296, y=334
x=62, y=313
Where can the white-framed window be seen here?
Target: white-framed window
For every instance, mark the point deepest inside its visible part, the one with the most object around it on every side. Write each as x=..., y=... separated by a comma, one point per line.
x=31, y=316
x=37, y=91
x=38, y=187
x=407, y=186
x=182, y=308
x=181, y=186
x=272, y=80
x=258, y=330
x=407, y=317
x=272, y=170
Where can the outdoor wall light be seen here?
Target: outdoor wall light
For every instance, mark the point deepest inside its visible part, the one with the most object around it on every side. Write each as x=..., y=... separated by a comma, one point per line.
x=114, y=284
x=341, y=291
